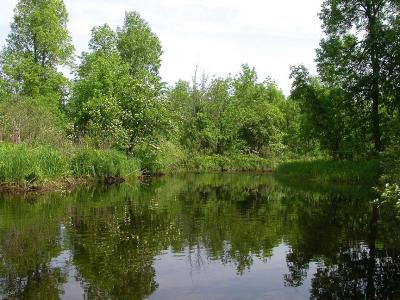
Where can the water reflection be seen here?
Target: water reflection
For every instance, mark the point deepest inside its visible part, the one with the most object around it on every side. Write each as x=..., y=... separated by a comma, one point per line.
x=214, y=236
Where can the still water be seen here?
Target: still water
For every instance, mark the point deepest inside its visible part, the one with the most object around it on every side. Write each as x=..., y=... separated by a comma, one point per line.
x=232, y=236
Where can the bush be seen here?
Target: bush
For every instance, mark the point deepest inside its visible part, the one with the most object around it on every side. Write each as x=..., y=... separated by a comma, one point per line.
x=162, y=157
x=389, y=187
x=31, y=121
x=391, y=165
x=391, y=194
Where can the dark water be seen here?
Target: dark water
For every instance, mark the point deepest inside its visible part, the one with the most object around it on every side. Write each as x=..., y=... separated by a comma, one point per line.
x=200, y=237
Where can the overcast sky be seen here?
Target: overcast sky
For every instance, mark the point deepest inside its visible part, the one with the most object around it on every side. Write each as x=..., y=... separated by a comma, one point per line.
x=216, y=35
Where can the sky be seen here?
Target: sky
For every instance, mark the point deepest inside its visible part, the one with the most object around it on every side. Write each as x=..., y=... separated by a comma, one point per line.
x=218, y=36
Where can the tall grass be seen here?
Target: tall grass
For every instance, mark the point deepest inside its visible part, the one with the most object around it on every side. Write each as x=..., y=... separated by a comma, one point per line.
x=331, y=171
x=231, y=163
x=21, y=164
x=101, y=164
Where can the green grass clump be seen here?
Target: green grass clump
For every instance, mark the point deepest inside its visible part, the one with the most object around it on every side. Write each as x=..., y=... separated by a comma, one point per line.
x=332, y=171
x=231, y=163
x=101, y=164
x=22, y=164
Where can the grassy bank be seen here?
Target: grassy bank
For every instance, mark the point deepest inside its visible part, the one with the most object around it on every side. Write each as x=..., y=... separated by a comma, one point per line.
x=168, y=158
x=231, y=163
x=23, y=166
x=331, y=171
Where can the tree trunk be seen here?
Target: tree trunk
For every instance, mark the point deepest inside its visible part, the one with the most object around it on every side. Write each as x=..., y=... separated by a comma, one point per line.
x=375, y=88
x=376, y=120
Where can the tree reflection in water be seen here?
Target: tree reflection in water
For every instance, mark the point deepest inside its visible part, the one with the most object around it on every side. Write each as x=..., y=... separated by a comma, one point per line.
x=114, y=234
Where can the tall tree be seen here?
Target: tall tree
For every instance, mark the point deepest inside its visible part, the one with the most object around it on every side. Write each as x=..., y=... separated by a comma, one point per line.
x=356, y=54
x=38, y=44
x=116, y=97
x=141, y=49
x=324, y=116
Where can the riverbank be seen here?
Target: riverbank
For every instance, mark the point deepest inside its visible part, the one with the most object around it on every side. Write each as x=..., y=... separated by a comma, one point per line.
x=32, y=168
x=26, y=168
x=331, y=171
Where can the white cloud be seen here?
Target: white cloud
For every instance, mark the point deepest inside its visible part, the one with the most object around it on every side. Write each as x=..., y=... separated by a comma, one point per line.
x=218, y=35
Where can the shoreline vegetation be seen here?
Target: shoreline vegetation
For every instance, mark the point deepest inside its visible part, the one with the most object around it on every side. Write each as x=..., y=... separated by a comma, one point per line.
x=329, y=171
x=117, y=119
x=29, y=168
x=25, y=168
x=43, y=168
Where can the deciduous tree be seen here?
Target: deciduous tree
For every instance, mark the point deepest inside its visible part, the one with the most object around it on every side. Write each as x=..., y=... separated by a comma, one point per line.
x=361, y=38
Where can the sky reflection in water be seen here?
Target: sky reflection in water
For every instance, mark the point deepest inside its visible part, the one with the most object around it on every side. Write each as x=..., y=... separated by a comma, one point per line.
x=232, y=236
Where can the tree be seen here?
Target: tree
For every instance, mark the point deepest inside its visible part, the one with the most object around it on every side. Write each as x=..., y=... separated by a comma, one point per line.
x=140, y=48
x=325, y=115
x=39, y=43
x=356, y=54
x=229, y=115
x=96, y=103
x=117, y=95
x=257, y=113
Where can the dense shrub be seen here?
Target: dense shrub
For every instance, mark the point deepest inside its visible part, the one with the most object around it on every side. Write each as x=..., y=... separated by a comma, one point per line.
x=391, y=194
x=391, y=165
x=389, y=187
x=31, y=121
x=161, y=157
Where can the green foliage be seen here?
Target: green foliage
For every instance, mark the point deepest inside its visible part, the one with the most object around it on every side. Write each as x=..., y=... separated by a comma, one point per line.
x=119, y=102
x=105, y=126
x=325, y=116
x=33, y=121
x=38, y=44
x=359, y=55
x=229, y=115
x=390, y=180
x=391, y=194
x=116, y=95
x=236, y=163
x=102, y=164
x=141, y=49
x=391, y=165
x=260, y=121
x=23, y=164
x=160, y=158
x=332, y=171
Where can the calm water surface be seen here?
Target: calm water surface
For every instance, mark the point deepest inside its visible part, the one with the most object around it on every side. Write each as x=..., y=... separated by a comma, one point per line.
x=237, y=236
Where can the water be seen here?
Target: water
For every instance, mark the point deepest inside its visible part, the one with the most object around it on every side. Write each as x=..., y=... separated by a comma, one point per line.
x=233, y=236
